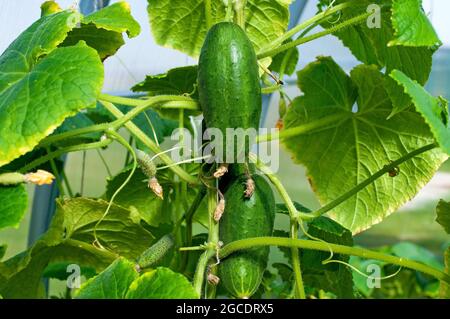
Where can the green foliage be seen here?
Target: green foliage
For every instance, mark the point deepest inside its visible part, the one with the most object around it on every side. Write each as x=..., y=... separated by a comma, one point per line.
x=443, y=215
x=41, y=69
x=285, y=62
x=137, y=195
x=266, y=20
x=412, y=26
x=161, y=283
x=102, y=30
x=112, y=283
x=14, y=203
x=357, y=143
x=344, y=129
x=333, y=277
x=434, y=110
x=120, y=231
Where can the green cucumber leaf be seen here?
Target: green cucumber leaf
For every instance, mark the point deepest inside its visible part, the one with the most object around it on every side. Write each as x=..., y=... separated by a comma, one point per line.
x=443, y=215
x=358, y=144
x=434, y=110
x=13, y=205
x=181, y=24
x=69, y=239
x=112, y=283
x=285, y=61
x=412, y=26
x=116, y=17
x=161, y=283
x=34, y=105
x=334, y=277
x=371, y=46
x=177, y=81
x=120, y=230
x=21, y=275
x=137, y=194
x=102, y=30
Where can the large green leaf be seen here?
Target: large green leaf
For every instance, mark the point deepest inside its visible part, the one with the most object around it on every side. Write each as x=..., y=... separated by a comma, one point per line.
x=161, y=283
x=102, y=30
x=112, y=283
x=371, y=46
x=13, y=205
x=333, y=277
x=412, y=27
x=120, y=230
x=359, y=142
x=40, y=86
x=137, y=194
x=443, y=215
x=21, y=275
x=434, y=110
x=181, y=24
x=70, y=239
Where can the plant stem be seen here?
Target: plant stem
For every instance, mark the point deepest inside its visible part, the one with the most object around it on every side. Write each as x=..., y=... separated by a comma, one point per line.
x=105, y=163
x=73, y=133
x=62, y=151
x=303, y=129
x=294, y=214
x=340, y=249
x=239, y=8
x=213, y=239
x=386, y=169
x=137, y=132
x=67, y=182
x=166, y=101
x=299, y=287
x=290, y=33
x=271, y=89
x=57, y=176
x=331, y=30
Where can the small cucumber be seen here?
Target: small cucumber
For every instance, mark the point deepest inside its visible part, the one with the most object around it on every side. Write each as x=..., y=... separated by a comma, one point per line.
x=242, y=272
x=229, y=85
x=156, y=252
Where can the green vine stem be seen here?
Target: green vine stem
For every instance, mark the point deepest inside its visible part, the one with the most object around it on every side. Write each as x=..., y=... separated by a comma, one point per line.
x=331, y=30
x=303, y=129
x=290, y=33
x=386, y=169
x=62, y=151
x=137, y=132
x=294, y=214
x=340, y=249
x=239, y=8
x=213, y=239
x=299, y=286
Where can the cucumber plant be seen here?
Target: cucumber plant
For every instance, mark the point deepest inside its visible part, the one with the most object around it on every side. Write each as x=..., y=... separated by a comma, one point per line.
x=369, y=139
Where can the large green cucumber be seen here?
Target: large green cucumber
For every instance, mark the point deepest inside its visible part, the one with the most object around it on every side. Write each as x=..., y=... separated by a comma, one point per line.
x=241, y=273
x=229, y=86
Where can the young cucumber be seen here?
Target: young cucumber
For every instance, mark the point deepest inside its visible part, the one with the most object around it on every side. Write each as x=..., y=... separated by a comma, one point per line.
x=229, y=86
x=156, y=252
x=242, y=272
